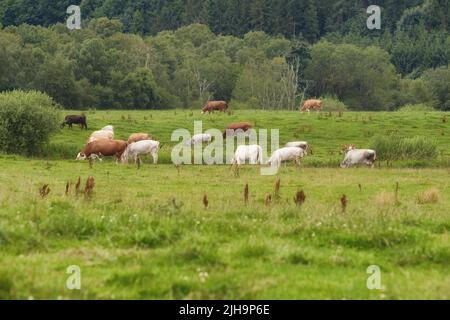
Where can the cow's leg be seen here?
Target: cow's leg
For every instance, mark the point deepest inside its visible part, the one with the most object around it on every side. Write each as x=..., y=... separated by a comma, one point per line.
x=297, y=163
x=155, y=158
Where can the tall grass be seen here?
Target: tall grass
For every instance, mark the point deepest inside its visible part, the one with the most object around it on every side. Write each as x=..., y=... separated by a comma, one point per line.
x=390, y=148
x=421, y=107
x=331, y=103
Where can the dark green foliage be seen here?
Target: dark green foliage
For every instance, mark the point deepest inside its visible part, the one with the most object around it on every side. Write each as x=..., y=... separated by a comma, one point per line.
x=238, y=51
x=438, y=82
x=361, y=78
x=27, y=119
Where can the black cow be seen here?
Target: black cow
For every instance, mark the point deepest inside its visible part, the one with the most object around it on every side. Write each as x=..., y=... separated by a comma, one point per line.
x=71, y=120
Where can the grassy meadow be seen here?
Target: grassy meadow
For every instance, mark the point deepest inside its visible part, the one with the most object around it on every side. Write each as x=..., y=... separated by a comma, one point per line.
x=145, y=234
x=326, y=132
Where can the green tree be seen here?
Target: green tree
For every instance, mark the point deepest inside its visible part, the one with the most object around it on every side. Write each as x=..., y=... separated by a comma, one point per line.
x=438, y=82
x=364, y=79
x=137, y=91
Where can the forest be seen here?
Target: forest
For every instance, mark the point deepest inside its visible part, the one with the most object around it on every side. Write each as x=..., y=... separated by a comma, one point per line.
x=257, y=54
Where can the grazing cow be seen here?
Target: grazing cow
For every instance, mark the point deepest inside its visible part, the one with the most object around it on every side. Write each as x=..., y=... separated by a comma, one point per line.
x=212, y=106
x=252, y=153
x=287, y=154
x=141, y=148
x=233, y=128
x=108, y=128
x=103, y=148
x=355, y=157
x=300, y=144
x=71, y=120
x=101, y=135
x=311, y=105
x=199, y=139
x=136, y=137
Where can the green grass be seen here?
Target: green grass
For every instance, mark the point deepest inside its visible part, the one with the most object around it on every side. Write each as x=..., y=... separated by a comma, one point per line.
x=325, y=132
x=146, y=235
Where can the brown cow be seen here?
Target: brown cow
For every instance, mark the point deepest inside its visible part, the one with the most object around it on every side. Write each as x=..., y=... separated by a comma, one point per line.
x=212, y=106
x=232, y=128
x=312, y=105
x=136, y=137
x=103, y=148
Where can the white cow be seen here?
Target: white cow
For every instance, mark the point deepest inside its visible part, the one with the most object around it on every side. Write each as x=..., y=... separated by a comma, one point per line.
x=355, y=157
x=199, y=139
x=287, y=154
x=299, y=144
x=253, y=153
x=100, y=135
x=141, y=148
x=108, y=128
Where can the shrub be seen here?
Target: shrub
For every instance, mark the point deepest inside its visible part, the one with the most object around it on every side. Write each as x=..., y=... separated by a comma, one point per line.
x=391, y=148
x=333, y=104
x=420, y=107
x=27, y=119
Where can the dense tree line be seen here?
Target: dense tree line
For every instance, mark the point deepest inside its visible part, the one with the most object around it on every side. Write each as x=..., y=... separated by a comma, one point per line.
x=257, y=53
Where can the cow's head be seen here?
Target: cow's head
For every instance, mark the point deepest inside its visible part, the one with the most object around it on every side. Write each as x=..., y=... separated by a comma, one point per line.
x=346, y=148
x=81, y=156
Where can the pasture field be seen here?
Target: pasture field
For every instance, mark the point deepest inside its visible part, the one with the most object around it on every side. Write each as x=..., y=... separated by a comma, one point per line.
x=145, y=234
x=325, y=132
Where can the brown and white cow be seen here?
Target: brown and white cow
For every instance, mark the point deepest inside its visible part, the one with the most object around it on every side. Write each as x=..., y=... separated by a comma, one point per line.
x=311, y=105
x=234, y=128
x=136, y=137
x=212, y=106
x=103, y=148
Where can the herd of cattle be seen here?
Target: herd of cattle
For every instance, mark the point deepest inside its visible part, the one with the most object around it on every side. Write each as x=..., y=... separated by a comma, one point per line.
x=101, y=144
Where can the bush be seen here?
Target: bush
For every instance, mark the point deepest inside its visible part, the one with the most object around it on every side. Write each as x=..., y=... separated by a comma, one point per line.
x=391, y=148
x=420, y=107
x=27, y=119
x=333, y=104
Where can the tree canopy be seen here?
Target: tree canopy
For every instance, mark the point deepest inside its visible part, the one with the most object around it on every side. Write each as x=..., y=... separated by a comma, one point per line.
x=180, y=53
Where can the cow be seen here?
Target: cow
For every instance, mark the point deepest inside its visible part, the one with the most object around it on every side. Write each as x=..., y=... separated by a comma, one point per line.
x=136, y=137
x=234, y=128
x=311, y=105
x=253, y=153
x=355, y=157
x=287, y=154
x=141, y=148
x=101, y=135
x=71, y=120
x=199, y=139
x=108, y=128
x=103, y=148
x=212, y=106
x=300, y=144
